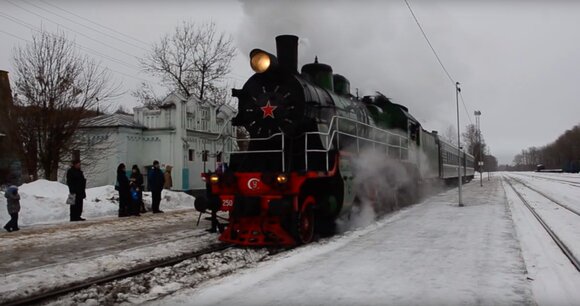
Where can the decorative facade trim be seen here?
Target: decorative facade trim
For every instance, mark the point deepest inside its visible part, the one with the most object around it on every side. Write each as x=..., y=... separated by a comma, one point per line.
x=175, y=134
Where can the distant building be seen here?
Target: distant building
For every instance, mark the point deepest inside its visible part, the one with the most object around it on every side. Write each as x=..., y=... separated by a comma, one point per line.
x=175, y=134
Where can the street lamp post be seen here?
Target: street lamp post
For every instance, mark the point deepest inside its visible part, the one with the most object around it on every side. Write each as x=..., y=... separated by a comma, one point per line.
x=459, y=178
x=480, y=159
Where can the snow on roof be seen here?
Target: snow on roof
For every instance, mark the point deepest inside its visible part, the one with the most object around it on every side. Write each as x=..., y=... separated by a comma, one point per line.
x=111, y=120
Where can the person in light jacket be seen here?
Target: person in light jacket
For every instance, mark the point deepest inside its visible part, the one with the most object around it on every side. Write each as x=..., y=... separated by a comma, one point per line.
x=167, y=178
x=13, y=201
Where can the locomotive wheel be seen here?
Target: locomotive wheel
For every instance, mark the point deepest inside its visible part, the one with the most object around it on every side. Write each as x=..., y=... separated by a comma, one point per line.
x=303, y=222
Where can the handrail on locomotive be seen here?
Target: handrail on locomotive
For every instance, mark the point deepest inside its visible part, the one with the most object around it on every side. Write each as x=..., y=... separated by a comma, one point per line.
x=334, y=132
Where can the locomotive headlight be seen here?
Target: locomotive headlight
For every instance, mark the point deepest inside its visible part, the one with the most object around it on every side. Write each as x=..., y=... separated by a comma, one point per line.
x=262, y=61
x=214, y=179
x=282, y=178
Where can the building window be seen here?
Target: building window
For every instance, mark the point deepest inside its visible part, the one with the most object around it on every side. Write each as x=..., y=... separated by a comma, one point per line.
x=191, y=155
x=205, y=113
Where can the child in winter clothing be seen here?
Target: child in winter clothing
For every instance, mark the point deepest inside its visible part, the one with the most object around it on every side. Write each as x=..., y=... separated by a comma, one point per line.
x=13, y=199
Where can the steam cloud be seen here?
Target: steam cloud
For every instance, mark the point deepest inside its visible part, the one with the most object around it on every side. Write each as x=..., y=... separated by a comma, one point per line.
x=383, y=184
x=377, y=181
x=374, y=44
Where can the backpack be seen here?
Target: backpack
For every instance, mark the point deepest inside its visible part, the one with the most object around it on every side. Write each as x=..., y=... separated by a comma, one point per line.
x=134, y=194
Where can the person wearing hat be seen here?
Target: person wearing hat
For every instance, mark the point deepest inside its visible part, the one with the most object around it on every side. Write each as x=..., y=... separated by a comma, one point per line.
x=155, y=182
x=76, y=185
x=13, y=201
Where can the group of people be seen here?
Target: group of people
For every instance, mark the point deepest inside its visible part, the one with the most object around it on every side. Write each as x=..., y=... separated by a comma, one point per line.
x=130, y=192
x=131, y=189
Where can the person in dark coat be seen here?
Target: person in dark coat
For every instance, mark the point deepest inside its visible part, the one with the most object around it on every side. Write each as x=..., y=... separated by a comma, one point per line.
x=124, y=191
x=155, y=182
x=137, y=181
x=13, y=201
x=76, y=185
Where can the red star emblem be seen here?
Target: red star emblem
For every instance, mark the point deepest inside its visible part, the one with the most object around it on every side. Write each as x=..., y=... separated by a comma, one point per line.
x=268, y=110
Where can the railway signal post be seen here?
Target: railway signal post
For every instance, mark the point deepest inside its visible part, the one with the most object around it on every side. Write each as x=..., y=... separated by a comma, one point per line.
x=480, y=159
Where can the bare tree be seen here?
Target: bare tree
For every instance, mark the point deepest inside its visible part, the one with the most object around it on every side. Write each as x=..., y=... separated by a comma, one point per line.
x=193, y=61
x=475, y=143
x=450, y=134
x=147, y=95
x=491, y=163
x=94, y=145
x=56, y=87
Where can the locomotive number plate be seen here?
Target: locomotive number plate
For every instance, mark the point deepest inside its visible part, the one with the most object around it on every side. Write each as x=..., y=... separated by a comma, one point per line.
x=227, y=203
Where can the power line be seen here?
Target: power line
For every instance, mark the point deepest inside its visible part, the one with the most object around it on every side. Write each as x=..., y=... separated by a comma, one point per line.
x=10, y=34
x=429, y=42
x=90, y=28
x=33, y=28
x=438, y=59
x=74, y=43
x=465, y=107
x=79, y=33
x=95, y=23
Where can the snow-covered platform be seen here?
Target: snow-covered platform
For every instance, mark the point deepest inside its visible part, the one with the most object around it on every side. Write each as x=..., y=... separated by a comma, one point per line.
x=432, y=253
x=51, y=252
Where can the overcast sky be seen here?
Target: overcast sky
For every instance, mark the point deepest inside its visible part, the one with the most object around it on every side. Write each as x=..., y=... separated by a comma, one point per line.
x=518, y=62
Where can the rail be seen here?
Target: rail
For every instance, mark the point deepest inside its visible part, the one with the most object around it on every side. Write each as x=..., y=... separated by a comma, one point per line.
x=567, y=207
x=563, y=247
x=39, y=297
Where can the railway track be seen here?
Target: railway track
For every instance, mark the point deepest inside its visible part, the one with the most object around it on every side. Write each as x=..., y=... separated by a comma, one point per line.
x=55, y=292
x=563, y=247
x=572, y=210
x=568, y=182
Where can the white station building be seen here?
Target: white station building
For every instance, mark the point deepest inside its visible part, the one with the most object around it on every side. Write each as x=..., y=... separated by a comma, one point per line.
x=175, y=134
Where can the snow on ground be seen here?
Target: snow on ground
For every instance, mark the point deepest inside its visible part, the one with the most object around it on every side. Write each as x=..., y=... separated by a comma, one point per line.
x=43, y=202
x=49, y=251
x=166, y=280
x=554, y=280
x=563, y=222
x=568, y=194
x=433, y=253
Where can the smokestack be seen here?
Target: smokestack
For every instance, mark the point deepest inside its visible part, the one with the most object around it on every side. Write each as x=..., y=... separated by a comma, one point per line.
x=287, y=52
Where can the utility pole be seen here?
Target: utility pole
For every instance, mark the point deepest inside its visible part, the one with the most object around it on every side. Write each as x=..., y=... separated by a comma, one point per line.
x=480, y=159
x=459, y=177
x=489, y=170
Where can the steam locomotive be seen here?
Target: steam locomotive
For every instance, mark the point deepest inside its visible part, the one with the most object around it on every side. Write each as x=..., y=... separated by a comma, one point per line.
x=295, y=174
